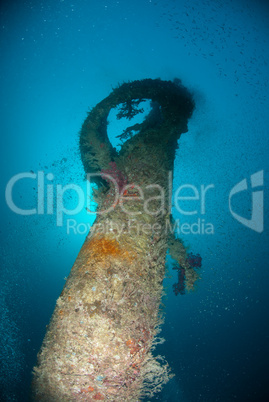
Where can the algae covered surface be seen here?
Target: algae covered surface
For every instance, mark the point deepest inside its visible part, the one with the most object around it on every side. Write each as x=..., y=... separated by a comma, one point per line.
x=105, y=325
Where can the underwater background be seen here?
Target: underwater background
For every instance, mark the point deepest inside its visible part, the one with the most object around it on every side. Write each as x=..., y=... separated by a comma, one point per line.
x=61, y=57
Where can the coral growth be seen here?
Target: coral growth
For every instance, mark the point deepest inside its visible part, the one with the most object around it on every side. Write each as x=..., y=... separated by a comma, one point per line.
x=194, y=261
x=116, y=174
x=179, y=287
x=187, y=275
x=129, y=109
x=104, y=247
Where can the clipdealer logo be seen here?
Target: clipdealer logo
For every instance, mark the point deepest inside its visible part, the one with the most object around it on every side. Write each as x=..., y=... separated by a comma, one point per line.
x=256, y=222
x=50, y=200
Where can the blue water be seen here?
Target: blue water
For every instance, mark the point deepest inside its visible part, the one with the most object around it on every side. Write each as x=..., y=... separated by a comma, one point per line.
x=61, y=57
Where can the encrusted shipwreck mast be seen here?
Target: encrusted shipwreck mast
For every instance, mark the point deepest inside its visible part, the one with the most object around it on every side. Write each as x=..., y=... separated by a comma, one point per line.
x=99, y=342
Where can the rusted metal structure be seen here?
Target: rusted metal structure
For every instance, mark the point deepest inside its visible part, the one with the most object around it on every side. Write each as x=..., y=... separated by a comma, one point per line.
x=99, y=343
